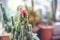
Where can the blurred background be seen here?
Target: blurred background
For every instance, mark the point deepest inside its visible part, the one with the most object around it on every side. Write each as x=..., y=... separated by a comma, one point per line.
x=44, y=5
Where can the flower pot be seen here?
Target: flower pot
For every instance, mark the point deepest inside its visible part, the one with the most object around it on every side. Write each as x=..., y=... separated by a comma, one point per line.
x=4, y=38
x=46, y=32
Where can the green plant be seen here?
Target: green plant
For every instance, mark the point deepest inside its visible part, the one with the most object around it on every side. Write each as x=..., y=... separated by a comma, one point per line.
x=5, y=19
x=4, y=14
x=21, y=28
x=54, y=7
x=51, y=15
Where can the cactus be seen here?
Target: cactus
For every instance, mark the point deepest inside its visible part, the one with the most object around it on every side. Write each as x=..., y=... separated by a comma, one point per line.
x=54, y=7
x=5, y=19
x=51, y=15
x=21, y=28
x=4, y=14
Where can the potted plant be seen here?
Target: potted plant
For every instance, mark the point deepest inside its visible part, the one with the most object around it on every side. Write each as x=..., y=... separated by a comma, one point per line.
x=46, y=29
x=4, y=21
x=46, y=26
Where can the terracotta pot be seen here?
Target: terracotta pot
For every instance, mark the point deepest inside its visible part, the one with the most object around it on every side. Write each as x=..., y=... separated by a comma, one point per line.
x=5, y=38
x=46, y=32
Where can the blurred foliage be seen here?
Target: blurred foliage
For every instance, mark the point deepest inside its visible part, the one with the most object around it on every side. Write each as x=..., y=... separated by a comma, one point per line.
x=32, y=14
x=54, y=7
x=4, y=14
x=7, y=28
x=6, y=24
x=49, y=17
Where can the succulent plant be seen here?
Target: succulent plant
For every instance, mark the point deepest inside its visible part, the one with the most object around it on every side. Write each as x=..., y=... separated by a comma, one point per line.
x=54, y=7
x=4, y=14
x=51, y=15
x=21, y=28
x=5, y=19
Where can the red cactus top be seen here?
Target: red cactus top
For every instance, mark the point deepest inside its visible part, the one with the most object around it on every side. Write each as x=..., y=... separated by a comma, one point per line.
x=22, y=11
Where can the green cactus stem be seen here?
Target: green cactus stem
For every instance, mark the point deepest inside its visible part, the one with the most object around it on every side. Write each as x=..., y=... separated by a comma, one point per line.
x=54, y=7
x=4, y=14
